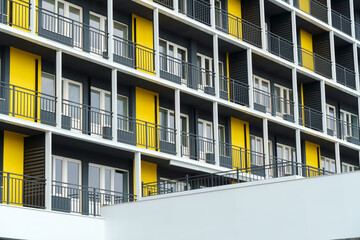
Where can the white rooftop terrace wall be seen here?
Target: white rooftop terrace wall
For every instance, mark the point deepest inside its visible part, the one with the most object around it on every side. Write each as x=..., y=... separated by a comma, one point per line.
x=326, y=207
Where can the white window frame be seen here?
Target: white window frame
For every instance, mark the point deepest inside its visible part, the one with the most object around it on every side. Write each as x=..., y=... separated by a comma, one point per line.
x=348, y=126
x=325, y=161
x=286, y=168
x=218, y=14
x=262, y=97
x=102, y=48
x=331, y=119
x=255, y=159
x=125, y=118
x=120, y=45
x=284, y=100
x=45, y=99
x=205, y=148
x=179, y=186
x=202, y=82
x=346, y=167
x=185, y=136
x=170, y=138
x=74, y=122
x=103, y=121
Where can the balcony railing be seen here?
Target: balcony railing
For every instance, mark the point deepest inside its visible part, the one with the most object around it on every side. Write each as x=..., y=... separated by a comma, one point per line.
x=314, y=62
x=133, y=55
x=343, y=130
x=22, y=190
x=237, y=27
x=341, y=22
x=357, y=31
x=166, y=3
x=182, y=72
x=280, y=47
x=74, y=198
x=149, y=135
x=233, y=90
x=86, y=119
x=275, y=105
x=237, y=157
x=310, y=118
x=197, y=147
x=345, y=76
x=27, y=104
x=314, y=8
x=280, y=168
x=72, y=33
x=196, y=9
x=15, y=13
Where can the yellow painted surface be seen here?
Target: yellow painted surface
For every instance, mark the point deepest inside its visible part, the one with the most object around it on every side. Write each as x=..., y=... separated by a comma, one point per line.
x=304, y=5
x=144, y=37
x=148, y=175
x=234, y=10
x=147, y=110
x=22, y=74
x=13, y=160
x=240, y=159
x=307, y=50
x=19, y=14
x=312, y=157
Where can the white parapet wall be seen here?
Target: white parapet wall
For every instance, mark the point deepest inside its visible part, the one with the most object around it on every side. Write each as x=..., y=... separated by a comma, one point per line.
x=326, y=207
x=34, y=224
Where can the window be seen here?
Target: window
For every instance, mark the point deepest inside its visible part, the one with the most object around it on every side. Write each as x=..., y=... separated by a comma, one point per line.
x=184, y=126
x=205, y=138
x=283, y=100
x=222, y=141
x=286, y=156
x=218, y=15
x=97, y=33
x=168, y=186
x=167, y=125
x=205, y=63
x=345, y=167
x=123, y=113
x=182, y=6
x=72, y=102
x=328, y=164
x=349, y=124
x=47, y=102
x=256, y=151
x=173, y=59
x=331, y=118
x=100, y=110
x=121, y=45
x=262, y=92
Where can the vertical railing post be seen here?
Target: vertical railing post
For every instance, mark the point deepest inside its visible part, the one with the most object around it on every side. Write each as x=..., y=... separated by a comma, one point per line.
x=8, y=188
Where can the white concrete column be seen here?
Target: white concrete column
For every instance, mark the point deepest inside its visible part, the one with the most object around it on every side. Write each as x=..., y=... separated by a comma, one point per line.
x=356, y=66
x=177, y=122
x=332, y=55
x=212, y=14
x=216, y=64
x=137, y=177
x=216, y=133
x=58, y=80
x=323, y=104
x=266, y=141
x=110, y=21
x=48, y=169
x=352, y=18
x=298, y=145
x=156, y=41
x=294, y=36
x=114, y=104
x=295, y=95
x=337, y=158
x=250, y=78
x=32, y=16
x=329, y=12
x=262, y=24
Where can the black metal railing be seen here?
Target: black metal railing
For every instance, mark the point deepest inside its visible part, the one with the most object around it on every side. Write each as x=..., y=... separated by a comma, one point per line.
x=273, y=104
x=237, y=27
x=72, y=33
x=345, y=76
x=27, y=104
x=15, y=13
x=86, y=119
x=237, y=157
x=279, y=168
x=314, y=62
x=233, y=90
x=134, y=55
x=179, y=71
x=310, y=118
x=86, y=200
x=314, y=8
x=280, y=46
x=343, y=129
x=149, y=135
x=196, y=9
x=22, y=190
x=166, y=3
x=341, y=22
x=197, y=147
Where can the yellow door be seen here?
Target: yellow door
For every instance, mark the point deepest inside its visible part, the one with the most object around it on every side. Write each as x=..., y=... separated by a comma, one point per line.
x=307, y=50
x=312, y=156
x=240, y=139
x=235, y=25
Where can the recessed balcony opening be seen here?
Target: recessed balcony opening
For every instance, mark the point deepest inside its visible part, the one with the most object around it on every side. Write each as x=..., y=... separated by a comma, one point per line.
x=309, y=97
x=357, y=19
x=349, y=159
x=340, y=15
x=316, y=8
x=344, y=58
x=278, y=28
x=314, y=48
x=342, y=115
x=273, y=92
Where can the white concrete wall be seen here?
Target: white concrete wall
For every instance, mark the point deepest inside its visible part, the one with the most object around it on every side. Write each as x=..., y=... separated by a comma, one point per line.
x=33, y=224
x=325, y=207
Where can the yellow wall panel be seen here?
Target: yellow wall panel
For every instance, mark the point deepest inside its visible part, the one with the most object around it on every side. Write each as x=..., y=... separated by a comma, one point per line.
x=240, y=138
x=148, y=174
x=307, y=52
x=312, y=155
x=304, y=5
x=234, y=9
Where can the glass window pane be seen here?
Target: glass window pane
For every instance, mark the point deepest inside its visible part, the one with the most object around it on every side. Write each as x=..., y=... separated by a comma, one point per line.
x=107, y=102
x=119, y=182
x=94, y=21
x=107, y=179
x=120, y=30
x=48, y=5
x=122, y=106
x=74, y=14
x=74, y=92
x=95, y=98
x=73, y=173
x=48, y=84
x=58, y=170
x=94, y=177
x=61, y=11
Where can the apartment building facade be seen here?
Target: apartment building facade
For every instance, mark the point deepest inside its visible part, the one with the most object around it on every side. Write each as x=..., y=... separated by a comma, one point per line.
x=105, y=102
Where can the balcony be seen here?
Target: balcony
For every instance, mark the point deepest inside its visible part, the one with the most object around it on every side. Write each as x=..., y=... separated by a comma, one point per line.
x=237, y=27
x=199, y=10
x=166, y=3
x=314, y=8
x=197, y=147
x=234, y=91
x=277, y=106
x=17, y=15
x=310, y=118
x=182, y=72
x=343, y=130
x=84, y=200
x=279, y=46
x=357, y=31
x=148, y=135
x=341, y=22
x=314, y=62
x=345, y=76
